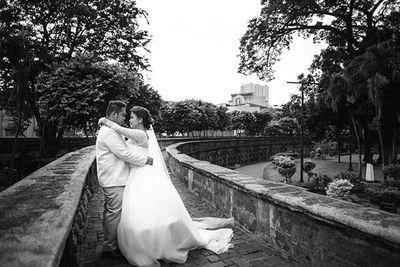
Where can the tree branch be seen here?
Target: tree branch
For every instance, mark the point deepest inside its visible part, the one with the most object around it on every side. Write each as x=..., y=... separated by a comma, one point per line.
x=316, y=26
x=372, y=11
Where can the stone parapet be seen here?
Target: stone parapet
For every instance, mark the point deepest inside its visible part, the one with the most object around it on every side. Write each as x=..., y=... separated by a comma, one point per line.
x=235, y=152
x=43, y=217
x=309, y=229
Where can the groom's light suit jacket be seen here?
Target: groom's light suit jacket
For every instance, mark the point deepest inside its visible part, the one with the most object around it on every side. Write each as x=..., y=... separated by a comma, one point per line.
x=113, y=158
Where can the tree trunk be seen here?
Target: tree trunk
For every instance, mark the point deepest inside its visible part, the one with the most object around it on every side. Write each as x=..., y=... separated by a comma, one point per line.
x=367, y=144
x=42, y=144
x=14, y=147
x=350, y=168
x=379, y=159
x=382, y=147
x=395, y=146
x=358, y=145
x=51, y=139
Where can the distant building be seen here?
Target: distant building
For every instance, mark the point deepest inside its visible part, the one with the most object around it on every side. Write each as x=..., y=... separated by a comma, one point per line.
x=7, y=131
x=252, y=97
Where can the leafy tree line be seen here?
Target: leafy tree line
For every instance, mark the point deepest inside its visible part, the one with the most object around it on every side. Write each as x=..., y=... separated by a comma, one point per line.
x=199, y=118
x=55, y=63
x=353, y=85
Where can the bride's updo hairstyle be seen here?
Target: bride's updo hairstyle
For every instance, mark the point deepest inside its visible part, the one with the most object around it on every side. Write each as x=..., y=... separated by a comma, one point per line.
x=144, y=114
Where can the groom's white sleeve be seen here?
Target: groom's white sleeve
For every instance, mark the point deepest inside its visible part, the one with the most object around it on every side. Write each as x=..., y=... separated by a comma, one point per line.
x=117, y=146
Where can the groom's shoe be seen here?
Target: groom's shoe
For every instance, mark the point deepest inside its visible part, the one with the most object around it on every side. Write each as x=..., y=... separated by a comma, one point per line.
x=113, y=254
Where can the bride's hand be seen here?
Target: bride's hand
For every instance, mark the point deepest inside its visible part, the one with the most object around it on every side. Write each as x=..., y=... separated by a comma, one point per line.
x=101, y=121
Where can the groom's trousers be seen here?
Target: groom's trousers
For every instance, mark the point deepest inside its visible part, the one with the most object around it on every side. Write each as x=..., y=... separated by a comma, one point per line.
x=111, y=215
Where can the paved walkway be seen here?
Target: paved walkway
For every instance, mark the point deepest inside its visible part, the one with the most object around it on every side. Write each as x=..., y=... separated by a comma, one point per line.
x=246, y=252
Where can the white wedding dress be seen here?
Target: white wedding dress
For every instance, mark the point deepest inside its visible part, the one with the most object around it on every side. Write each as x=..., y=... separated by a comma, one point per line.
x=155, y=224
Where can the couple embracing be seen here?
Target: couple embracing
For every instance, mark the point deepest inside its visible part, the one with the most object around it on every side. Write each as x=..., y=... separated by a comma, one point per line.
x=144, y=218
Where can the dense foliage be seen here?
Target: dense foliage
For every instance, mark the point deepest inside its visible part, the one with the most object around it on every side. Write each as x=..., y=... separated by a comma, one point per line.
x=75, y=94
x=41, y=36
x=354, y=81
x=339, y=188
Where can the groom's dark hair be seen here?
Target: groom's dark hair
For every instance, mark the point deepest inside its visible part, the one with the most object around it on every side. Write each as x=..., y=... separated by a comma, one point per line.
x=115, y=106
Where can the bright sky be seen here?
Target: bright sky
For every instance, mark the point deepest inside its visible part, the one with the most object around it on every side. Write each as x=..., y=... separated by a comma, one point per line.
x=194, y=50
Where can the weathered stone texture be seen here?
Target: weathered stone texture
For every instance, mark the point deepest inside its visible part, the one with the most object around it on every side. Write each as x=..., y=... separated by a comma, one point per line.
x=71, y=255
x=309, y=229
x=43, y=217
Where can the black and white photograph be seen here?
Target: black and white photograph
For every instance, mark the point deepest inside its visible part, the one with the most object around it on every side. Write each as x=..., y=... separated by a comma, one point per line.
x=166, y=133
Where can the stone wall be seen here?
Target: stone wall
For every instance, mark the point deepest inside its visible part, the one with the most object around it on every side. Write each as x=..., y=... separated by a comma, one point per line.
x=235, y=152
x=43, y=217
x=33, y=144
x=309, y=229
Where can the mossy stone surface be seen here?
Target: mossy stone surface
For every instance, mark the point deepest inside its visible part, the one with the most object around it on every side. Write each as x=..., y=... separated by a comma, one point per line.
x=36, y=214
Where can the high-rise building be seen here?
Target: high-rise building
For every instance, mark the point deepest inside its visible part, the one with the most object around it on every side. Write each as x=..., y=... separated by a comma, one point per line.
x=260, y=92
x=252, y=97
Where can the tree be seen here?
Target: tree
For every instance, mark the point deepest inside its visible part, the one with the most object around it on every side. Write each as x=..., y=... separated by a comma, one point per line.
x=244, y=121
x=261, y=121
x=286, y=167
x=377, y=71
x=76, y=93
x=283, y=127
x=339, y=95
x=223, y=121
x=57, y=30
x=208, y=117
x=348, y=27
x=165, y=123
x=16, y=67
x=144, y=95
x=186, y=116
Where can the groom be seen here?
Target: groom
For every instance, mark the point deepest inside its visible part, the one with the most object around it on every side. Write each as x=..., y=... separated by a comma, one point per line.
x=112, y=159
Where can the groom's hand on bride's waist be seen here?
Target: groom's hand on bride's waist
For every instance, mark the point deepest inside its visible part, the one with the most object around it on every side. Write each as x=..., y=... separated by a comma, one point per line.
x=149, y=161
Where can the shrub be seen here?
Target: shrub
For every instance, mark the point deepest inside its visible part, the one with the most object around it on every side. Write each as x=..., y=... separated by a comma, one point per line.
x=339, y=188
x=392, y=171
x=319, y=182
x=279, y=155
x=322, y=149
x=383, y=194
x=277, y=159
x=394, y=183
x=287, y=173
x=349, y=176
x=359, y=200
x=285, y=167
x=286, y=162
x=308, y=167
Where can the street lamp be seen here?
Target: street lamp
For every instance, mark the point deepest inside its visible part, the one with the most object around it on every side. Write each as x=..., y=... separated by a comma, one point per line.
x=301, y=132
x=303, y=83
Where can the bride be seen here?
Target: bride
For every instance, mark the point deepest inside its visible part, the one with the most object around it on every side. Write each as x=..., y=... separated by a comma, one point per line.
x=155, y=224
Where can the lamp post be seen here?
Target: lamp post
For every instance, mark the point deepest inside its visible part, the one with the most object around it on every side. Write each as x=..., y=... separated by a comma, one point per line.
x=301, y=132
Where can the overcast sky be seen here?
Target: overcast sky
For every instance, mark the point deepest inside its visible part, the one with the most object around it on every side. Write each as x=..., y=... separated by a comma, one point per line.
x=194, y=50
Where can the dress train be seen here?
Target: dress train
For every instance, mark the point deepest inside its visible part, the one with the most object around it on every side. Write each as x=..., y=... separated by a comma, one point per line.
x=155, y=224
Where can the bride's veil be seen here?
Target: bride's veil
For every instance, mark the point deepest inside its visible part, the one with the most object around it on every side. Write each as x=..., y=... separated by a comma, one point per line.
x=155, y=152
x=159, y=163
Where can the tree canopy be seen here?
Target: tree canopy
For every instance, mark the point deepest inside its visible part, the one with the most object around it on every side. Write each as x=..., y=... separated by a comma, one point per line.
x=40, y=36
x=348, y=28
x=76, y=93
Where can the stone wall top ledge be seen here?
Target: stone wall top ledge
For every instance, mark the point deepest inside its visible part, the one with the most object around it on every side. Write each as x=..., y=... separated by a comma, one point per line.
x=36, y=213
